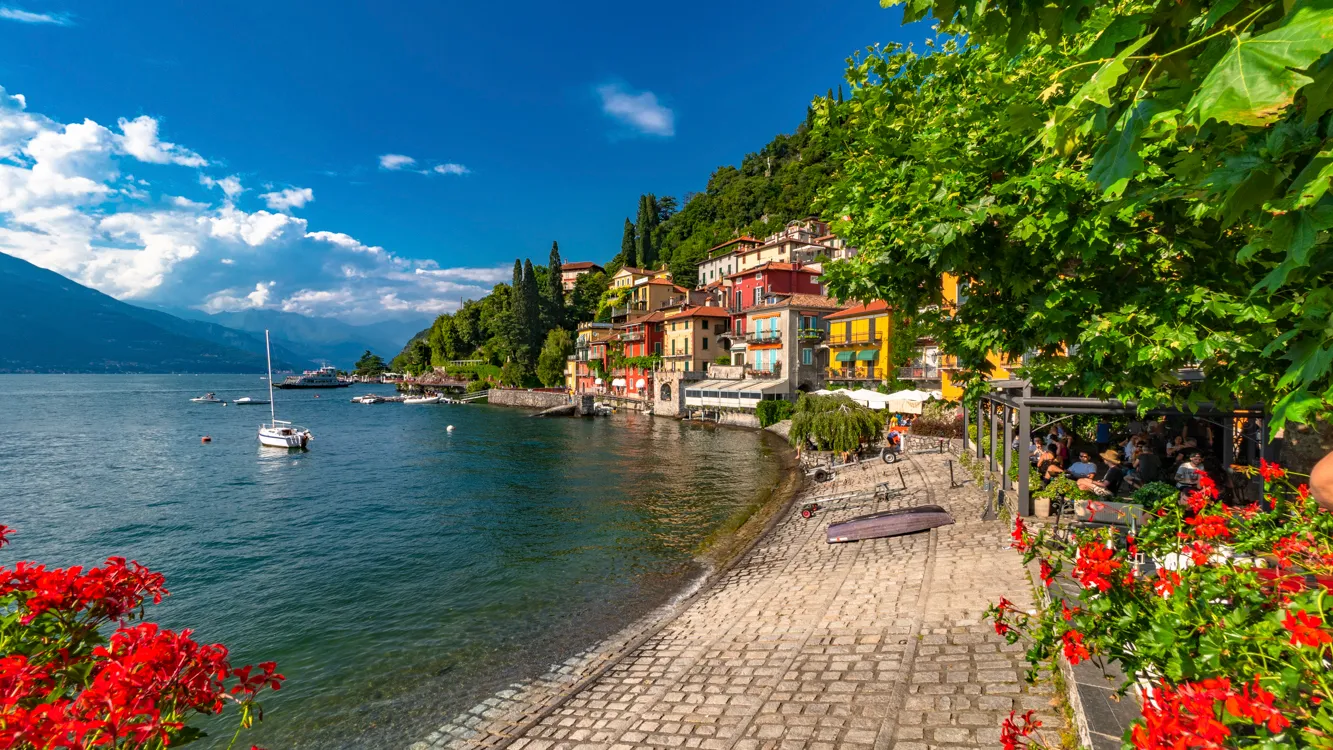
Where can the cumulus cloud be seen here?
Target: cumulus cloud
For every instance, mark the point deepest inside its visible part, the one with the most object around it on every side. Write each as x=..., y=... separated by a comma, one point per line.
x=640, y=111
x=140, y=141
x=230, y=186
x=23, y=16
x=68, y=203
x=396, y=161
x=450, y=168
x=289, y=198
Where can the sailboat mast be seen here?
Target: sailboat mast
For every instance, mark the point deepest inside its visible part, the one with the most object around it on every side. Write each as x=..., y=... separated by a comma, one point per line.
x=272, y=409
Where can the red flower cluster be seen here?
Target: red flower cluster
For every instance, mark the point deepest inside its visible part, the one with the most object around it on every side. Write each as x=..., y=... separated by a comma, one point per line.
x=108, y=593
x=1075, y=651
x=1306, y=629
x=1167, y=582
x=5, y=531
x=1209, y=527
x=1002, y=627
x=1191, y=714
x=1047, y=573
x=1020, y=536
x=1270, y=471
x=1016, y=729
x=1096, y=563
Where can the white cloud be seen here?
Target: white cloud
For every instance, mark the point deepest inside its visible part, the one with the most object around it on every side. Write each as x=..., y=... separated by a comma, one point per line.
x=396, y=161
x=230, y=186
x=68, y=204
x=639, y=111
x=23, y=16
x=282, y=200
x=450, y=168
x=141, y=142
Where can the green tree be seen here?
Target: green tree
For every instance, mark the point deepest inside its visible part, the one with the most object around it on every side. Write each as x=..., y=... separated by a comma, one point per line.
x=1125, y=190
x=629, y=247
x=551, y=362
x=646, y=227
x=586, y=296
x=513, y=374
x=531, y=332
x=833, y=423
x=371, y=365
x=555, y=290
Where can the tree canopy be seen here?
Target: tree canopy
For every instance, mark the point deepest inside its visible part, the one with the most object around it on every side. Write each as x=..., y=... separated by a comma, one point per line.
x=371, y=365
x=1123, y=190
x=833, y=423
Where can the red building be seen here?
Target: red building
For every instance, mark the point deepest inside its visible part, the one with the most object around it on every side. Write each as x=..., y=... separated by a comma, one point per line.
x=640, y=337
x=749, y=288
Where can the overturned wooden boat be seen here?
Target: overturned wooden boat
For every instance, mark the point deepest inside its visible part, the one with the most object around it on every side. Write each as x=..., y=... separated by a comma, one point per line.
x=889, y=523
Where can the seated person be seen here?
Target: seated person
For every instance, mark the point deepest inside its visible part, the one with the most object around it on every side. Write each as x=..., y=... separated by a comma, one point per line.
x=1187, y=476
x=1083, y=467
x=1049, y=467
x=1111, y=481
x=1179, y=447
x=1147, y=467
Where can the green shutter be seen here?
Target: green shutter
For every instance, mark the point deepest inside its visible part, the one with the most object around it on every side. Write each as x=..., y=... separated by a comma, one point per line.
x=845, y=356
x=867, y=355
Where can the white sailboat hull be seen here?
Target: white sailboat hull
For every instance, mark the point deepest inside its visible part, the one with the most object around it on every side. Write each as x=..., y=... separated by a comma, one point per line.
x=283, y=437
x=422, y=400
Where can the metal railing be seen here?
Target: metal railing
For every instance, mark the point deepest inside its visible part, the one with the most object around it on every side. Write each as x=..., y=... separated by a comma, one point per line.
x=855, y=373
x=632, y=336
x=844, y=339
x=919, y=372
x=764, y=337
x=752, y=372
x=811, y=334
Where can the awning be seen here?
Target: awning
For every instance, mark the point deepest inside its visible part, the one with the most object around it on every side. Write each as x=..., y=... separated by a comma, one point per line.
x=845, y=356
x=640, y=384
x=867, y=355
x=618, y=383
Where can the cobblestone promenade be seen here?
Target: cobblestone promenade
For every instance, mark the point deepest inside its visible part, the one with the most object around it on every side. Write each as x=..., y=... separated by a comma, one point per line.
x=802, y=644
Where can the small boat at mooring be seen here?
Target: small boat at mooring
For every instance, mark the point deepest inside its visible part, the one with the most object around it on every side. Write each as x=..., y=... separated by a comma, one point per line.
x=277, y=433
x=422, y=400
x=247, y=401
x=889, y=523
x=207, y=398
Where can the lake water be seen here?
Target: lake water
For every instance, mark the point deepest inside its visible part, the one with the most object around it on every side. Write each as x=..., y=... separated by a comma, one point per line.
x=398, y=573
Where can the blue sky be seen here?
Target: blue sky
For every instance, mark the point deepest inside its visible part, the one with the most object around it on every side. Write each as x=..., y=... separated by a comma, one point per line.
x=240, y=155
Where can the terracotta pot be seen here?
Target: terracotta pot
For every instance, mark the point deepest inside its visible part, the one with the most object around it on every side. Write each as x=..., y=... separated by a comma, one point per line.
x=1041, y=507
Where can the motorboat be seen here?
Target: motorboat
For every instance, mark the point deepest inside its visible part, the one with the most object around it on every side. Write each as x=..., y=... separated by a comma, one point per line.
x=368, y=398
x=207, y=398
x=422, y=400
x=277, y=433
x=324, y=377
x=247, y=401
x=889, y=523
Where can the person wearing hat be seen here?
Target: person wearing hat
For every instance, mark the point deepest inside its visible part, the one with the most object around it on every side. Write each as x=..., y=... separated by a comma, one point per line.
x=1110, y=482
x=1187, y=476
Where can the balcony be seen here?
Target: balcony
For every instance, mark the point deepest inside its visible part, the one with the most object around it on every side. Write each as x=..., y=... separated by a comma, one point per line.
x=919, y=372
x=844, y=339
x=757, y=374
x=764, y=337
x=632, y=336
x=620, y=312
x=855, y=373
x=811, y=334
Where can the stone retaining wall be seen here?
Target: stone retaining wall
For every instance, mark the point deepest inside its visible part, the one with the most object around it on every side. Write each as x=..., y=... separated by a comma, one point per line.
x=527, y=399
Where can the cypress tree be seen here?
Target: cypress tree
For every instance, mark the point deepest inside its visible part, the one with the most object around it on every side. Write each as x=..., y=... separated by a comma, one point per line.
x=518, y=329
x=532, y=310
x=647, y=226
x=629, y=254
x=555, y=290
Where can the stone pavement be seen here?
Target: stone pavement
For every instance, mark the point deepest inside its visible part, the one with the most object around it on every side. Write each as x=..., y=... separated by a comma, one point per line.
x=803, y=644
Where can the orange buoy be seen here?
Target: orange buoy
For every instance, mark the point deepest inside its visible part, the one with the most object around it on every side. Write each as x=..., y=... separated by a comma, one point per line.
x=205, y=439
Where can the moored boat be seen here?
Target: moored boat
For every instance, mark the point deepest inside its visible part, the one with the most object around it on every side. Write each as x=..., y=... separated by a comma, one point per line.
x=324, y=377
x=247, y=401
x=421, y=400
x=277, y=433
x=889, y=523
x=207, y=398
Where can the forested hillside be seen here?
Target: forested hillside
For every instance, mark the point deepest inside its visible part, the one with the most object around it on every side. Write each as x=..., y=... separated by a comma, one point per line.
x=525, y=327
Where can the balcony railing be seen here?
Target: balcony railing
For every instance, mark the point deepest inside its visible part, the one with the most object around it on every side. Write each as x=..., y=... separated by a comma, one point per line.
x=632, y=336
x=919, y=372
x=811, y=334
x=620, y=312
x=855, y=373
x=764, y=337
x=752, y=372
x=844, y=339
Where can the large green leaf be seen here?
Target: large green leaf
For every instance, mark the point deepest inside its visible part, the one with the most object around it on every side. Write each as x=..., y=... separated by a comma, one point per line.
x=1098, y=88
x=1118, y=160
x=1254, y=81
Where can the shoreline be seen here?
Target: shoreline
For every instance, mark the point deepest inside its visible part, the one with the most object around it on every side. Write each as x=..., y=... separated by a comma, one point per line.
x=530, y=701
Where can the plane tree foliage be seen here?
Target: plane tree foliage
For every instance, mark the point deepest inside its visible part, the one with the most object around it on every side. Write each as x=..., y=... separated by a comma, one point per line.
x=1123, y=190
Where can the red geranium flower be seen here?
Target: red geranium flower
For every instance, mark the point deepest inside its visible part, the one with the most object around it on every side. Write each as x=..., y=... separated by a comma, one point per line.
x=1209, y=527
x=1075, y=651
x=1020, y=536
x=1270, y=471
x=1047, y=573
x=1096, y=563
x=1015, y=730
x=1167, y=582
x=5, y=531
x=1306, y=629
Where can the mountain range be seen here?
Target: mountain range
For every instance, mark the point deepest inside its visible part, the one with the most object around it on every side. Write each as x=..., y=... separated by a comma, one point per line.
x=49, y=323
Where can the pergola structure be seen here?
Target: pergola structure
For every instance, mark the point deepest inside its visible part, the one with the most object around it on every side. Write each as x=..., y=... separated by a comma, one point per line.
x=1011, y=404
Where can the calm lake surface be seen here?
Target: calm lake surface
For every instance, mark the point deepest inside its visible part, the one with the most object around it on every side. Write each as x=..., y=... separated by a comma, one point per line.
x=396, y=572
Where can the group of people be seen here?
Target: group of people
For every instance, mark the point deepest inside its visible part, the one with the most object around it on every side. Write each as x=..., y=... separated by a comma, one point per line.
x=1146, y=452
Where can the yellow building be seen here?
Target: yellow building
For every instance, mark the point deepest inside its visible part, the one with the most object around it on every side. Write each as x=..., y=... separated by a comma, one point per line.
x=691, y=338
x=860, y=344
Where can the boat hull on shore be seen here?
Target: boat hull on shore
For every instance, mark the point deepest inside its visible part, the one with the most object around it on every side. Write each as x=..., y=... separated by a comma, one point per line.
x=889, y=523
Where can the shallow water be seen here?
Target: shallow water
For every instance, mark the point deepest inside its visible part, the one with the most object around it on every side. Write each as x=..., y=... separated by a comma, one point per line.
x=397, y=572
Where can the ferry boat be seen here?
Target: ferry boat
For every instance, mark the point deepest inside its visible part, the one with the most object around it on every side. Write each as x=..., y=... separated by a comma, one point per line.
x=324, y=377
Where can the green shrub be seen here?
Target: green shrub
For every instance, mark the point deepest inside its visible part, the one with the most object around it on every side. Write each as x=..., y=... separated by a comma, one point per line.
x=772, y=412
x=938, y=419
x=833, y=423
x=1153, y=495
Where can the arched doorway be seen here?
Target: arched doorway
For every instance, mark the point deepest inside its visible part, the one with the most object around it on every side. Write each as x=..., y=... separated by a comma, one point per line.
x=665, y=392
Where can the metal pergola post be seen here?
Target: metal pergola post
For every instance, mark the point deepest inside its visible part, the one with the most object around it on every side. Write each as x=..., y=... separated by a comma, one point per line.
x=965, y=420
x=1024, y=459
x=979, y=440
x=994, y=437
x=1008, y=414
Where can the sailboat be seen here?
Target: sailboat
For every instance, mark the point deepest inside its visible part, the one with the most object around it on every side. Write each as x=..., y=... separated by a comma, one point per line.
x=277, y=433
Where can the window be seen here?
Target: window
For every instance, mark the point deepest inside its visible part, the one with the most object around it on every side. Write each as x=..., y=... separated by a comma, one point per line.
x=705, y=342
x=807, y=356
x=657, y=348
x=758, y=295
